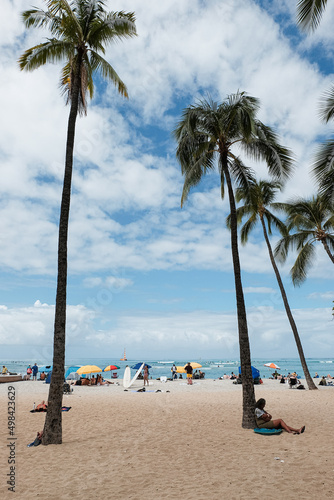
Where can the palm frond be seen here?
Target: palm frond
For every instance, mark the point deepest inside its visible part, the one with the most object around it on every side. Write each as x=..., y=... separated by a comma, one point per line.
x=242, y=175
x=265, y=146
x=326, y=108
x=323, y=169
x=272, y=220
x=309, y=13
x=114, y=26
x=38, y=18
x=107, y=71
x=247, y=228
x=51, y=51
x=302, y=264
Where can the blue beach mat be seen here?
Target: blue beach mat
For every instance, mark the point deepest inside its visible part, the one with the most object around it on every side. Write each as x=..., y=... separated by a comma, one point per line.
x=267, y=432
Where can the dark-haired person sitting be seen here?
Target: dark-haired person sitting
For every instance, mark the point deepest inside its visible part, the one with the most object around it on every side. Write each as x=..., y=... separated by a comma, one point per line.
x=264, y=420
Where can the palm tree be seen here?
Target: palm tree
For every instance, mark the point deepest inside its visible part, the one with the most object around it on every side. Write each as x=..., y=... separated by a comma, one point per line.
x=258, y=197
x=309, y=13
x=313, y=221
x=80, y=30
x=211, y=134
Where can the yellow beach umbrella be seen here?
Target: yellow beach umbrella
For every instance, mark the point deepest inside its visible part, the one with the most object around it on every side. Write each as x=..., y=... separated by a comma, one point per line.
x=194, y=365
x=180, y=369
x=85, y=370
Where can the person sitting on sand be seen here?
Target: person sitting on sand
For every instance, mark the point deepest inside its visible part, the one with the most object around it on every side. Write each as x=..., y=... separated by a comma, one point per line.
x=323, y=381
x=264, y=420
x=316, y=375
x=100, y=381
x=42, y=376
x=43, y=406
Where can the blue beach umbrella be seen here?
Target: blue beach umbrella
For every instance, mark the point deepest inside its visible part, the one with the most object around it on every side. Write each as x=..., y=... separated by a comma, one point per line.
x=45, y=368
x=138, y=365
x=72, y=369
x=255, y=372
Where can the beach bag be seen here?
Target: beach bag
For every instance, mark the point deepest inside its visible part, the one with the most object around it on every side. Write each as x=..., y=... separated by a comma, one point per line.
x=300, y=386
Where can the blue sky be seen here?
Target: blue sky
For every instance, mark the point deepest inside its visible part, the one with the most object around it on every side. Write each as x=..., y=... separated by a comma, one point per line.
x=143, y=273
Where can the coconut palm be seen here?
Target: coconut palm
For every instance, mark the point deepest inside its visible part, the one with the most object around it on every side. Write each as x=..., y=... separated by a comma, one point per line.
x=309, y=13
x=209, y=135
x=80, y=31
x=313, y=221
x=259, y=199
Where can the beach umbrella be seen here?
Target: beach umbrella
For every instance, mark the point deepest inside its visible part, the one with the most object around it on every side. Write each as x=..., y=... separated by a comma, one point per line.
x=110, y=368
x=89, y=369
x=272, y=365
x=194, y=365
x=255, y=372
x=71, y=369
x=45, y=368
x=138, y=365
x=180, y=369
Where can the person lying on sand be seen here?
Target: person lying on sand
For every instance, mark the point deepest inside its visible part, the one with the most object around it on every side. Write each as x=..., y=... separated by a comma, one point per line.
x=42, y=406
x=264, y=420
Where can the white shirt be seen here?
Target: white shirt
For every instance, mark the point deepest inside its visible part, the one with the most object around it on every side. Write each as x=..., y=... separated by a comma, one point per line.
x=259, y=413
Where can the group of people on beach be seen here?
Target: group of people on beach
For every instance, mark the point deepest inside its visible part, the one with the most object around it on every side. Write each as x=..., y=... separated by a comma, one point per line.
x=32, y=371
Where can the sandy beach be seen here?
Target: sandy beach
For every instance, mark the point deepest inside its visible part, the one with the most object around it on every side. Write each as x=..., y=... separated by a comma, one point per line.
x=186, y=443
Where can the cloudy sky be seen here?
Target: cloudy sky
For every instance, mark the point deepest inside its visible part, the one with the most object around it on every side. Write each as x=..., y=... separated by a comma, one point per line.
x=143, y=273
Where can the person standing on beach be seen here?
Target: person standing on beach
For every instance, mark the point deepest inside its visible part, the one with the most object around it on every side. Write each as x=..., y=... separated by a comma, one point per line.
x=34, y=371
x=173, y=370
x=189, y=369
x=146, y=374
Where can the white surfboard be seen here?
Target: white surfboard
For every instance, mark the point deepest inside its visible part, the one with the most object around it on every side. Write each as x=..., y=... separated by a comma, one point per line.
x=136, y=375
x=127, y=377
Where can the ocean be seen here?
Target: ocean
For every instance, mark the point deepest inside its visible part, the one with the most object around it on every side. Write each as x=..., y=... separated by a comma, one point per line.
x=213, y=368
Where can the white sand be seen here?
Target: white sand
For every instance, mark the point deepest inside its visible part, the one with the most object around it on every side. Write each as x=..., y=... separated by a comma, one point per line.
x=187, y=443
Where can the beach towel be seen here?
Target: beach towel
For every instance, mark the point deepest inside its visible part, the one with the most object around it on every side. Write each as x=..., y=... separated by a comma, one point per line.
x=267, y=432
x=64, y=408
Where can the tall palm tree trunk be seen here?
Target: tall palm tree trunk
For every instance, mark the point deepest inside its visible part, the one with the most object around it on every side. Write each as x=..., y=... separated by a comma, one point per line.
x=52, y=433
x=248, y=418
x=308, y=377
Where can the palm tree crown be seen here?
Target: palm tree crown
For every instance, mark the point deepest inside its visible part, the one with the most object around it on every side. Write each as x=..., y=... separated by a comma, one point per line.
x=258, y=197
x=313, y=221
x=210, y=131
x=80, y=31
